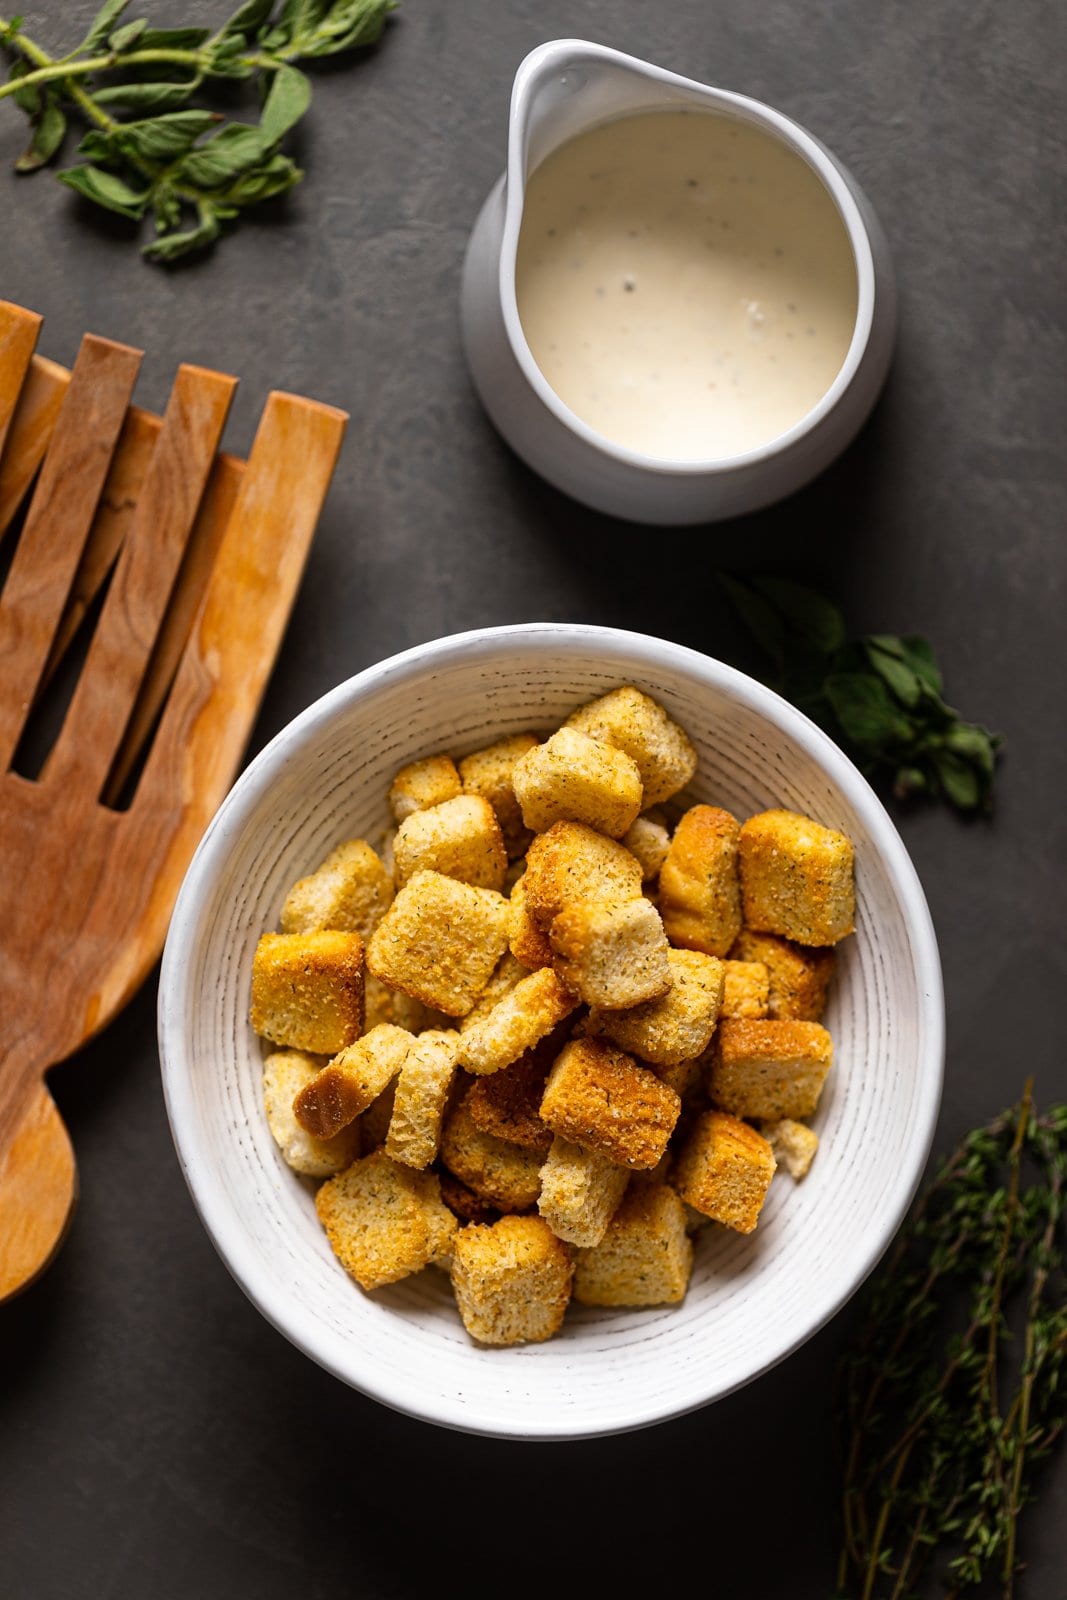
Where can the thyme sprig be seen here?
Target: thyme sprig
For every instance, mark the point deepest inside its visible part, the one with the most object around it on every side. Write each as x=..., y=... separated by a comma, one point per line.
x=149, y=150
x=954, y=1390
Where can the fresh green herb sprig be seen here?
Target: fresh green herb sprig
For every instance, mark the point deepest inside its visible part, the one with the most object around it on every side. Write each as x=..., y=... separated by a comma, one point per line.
x=954, y=1391
x=149, y=151
x=879, y=695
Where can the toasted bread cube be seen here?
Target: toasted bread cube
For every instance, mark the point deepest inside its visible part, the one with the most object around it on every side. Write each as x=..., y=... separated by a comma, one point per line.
x=423, y=784
x=525, y=1015
x=798, y=978
x=570, y=863
x=769, y=1070
x=460, y=838
x=512, y=1281
x=796, y=878
x=420, y=1098
x=695, y=1220
x=507, y=975
x=793, y=1144
x=637, y=724
x=699, y=888
x=602, y=1099
x=385, y=1221
x=724, y=1169
x=440, y=941
x=507, y=1104
x=463, y=1202
x=350, y=890
x=746, y=988
x=527, y=943
x=285, y=1073
x=683, y=1077
x=610, y=954
x=349, y=1083
x=307, y=990
x=488, y=773
x=571, y=778
x=506, y=1175
x=649, y=841
x=645, y=1256
x=677, y=1027
x=374, y=1122
x=580, y=1192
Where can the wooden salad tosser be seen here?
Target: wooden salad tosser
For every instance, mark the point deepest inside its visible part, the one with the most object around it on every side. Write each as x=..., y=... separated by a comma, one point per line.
x=204, y=554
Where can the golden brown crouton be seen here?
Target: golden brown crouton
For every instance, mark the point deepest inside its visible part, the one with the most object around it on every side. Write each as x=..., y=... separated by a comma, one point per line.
x=746, y=987
x=571, y=778
x=351, y=1081
x=460, y=838
x=798, y=978
x=512, y=1281
x=307, y=990
x=645, y=1256
x=793, y=1144
x=385, y=1221
x=527, y=943
x=526, y=1014
x=600, y=1098
x=769, y=1069
x=488, y=773
x=683, y=1077
x=420, y=1098
x=508, y=1104
x=439, y=941
x=724, y=1170
x=649, y=841
x=351, y=890
x=285, y=1073
x=374, y=1122
x=422, y=784
x=638, y=725
x=506, y=976
x=610, y=954
x=463, y=1202
x=796, y=878
x=677, y=1027
x=507, y=1175
x=580, y=1192
x=699, y=889
x=570, y=863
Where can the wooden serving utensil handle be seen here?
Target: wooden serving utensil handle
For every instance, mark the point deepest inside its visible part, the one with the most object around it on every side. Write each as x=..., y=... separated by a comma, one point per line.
x=38, y=1184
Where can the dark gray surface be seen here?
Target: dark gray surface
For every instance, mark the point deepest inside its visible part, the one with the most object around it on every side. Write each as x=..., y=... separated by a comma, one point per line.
x=157, y=1438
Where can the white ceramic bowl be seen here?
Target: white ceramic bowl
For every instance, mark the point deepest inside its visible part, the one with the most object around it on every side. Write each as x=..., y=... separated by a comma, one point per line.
x=751, y=1300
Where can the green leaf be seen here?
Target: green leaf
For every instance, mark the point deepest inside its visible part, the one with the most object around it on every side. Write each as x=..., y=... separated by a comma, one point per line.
x=163, y=139
x=959, y=780
x=891, y=666
x=106, y=190
x=347, y=25
x=48, y=133
x=123, y=37
x=862, y=705
x=102, y=24
x=232, y=151
x=760, y=618
x=289, y=98
x=174, y=38
x=146, y=96
x=172, y=246
x=27, y=99
x=921, y=660
x=974, y=744
x=813, y=617
x=262, y=183
x=248, y=17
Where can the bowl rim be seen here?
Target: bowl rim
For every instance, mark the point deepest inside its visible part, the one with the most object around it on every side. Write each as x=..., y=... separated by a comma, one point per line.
x=266, y=1294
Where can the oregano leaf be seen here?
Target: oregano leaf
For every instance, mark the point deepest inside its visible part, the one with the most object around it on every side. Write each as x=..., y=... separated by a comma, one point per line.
x=146, y=96
x=892, y=667
x=172, y=246
x=163, y=139
x=106, y=190
x=232, y=151
x=103, y=23
x=813, y=617
x=123, y=37
x=174, y=38
x=862, y=705
x=49, y=129
x=248, y=18
x=288, y=99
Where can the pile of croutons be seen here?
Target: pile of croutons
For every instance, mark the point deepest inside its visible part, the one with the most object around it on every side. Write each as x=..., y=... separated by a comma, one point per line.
x=545, y=1036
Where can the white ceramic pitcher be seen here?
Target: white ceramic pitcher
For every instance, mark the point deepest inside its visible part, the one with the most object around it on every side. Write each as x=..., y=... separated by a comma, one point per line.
x=561, y=89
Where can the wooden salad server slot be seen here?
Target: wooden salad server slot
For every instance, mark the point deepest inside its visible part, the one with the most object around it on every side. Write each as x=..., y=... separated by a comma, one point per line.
x=202, y=555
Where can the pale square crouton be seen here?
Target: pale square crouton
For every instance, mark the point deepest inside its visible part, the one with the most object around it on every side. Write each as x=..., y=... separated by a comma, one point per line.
x=488, y=773
x=422, y=784
x=649, y=841
x=440, y=941
x=580, y=1192
x=637, y=724
x=571, y=778
x=602, y=1099
x=699, y=887
x=746, y=989
x=285, y=1073
x=677, y=1027
x=793, y=1144
x=512, y=1281
x=507, y=974
x=796, y=878
x=460, y=838
x=798, y=978
x=611, y=954
x=350, y=890
x=645, y=1256
x=528, y=1012
x=349, y=1083
x=507, y=1104
x=506, y=1175
x=420, y=1098
x=571, y=862
x=527, y=943
x=307, y=990
x=385, y=1221
x=724, y=1170
x=769, y=1070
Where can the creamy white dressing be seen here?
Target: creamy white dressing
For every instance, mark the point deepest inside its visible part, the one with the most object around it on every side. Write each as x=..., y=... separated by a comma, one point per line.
x=685, y=283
